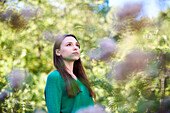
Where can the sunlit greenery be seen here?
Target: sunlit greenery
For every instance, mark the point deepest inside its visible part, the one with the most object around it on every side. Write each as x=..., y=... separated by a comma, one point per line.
x=26, y=41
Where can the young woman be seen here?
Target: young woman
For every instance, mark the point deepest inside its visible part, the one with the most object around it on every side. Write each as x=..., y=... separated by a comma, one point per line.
x=67, y=88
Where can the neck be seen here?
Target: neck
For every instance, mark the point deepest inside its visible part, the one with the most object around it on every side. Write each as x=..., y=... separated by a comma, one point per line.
x=69, y=66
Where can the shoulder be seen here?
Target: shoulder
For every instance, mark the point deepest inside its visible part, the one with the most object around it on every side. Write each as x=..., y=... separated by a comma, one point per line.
x=54, y=75
x=54, y=80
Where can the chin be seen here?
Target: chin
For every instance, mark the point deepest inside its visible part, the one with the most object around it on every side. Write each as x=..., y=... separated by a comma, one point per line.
x=76, y=59
x=72, y=59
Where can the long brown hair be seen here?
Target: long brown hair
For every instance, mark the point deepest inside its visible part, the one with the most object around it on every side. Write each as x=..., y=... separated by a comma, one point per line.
x=78, y=70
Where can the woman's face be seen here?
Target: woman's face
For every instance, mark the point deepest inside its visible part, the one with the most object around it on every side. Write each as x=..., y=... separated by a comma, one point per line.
x=69, y=49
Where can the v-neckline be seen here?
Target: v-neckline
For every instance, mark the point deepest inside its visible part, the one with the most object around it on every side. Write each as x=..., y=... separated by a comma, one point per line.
x=76, y=79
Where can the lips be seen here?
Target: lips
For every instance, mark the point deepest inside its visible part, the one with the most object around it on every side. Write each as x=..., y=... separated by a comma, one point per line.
x=75, y=53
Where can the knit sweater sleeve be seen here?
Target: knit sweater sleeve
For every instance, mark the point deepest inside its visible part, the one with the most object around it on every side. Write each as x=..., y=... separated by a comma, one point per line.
x=53, y=92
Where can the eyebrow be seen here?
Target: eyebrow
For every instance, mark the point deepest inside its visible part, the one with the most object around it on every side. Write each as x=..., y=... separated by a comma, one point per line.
x=72, y=42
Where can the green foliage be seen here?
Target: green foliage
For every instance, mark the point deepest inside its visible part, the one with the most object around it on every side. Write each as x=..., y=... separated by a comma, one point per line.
x=27, y=44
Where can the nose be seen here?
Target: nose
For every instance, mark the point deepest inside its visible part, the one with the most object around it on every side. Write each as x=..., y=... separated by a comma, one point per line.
x=75, y=47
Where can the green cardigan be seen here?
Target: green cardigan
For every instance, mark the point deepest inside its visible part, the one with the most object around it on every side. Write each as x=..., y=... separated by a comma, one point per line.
x=57, y=99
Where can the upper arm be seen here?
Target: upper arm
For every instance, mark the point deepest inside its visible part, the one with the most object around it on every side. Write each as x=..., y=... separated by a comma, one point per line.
x=53, y=92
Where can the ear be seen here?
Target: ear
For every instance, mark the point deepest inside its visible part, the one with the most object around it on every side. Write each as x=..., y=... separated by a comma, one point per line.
x=57, y=52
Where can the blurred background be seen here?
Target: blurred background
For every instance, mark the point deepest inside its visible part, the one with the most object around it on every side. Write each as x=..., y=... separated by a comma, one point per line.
x=125, y=49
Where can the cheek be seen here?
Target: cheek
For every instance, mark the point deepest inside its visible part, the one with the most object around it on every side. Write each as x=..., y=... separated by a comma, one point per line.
x=65, y=51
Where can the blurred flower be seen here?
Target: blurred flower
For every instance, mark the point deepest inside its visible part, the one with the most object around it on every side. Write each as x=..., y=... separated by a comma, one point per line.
x=127, y=21
x=133, y=25
x=27, y=13
x=8, y=14
x=39, y=111
x=107, y=48
x=139, y=25
x=5, y=15
x=1, y=16
x=95, y=54
x=17, y=21
x=48, y=35
x=16, y=78
x=120, y=26
x=138, y=59
x=135, y=61
x=91, y=109
x=122, y=70
x=3, y=96
x=130, y=10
